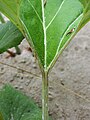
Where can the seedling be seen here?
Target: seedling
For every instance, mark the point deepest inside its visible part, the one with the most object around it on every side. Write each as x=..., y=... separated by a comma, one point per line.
x=46, y=30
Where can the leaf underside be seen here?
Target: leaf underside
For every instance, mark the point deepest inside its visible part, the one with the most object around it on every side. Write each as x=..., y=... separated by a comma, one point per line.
x=10, y=9
x=10, y=36
x=47, y=27
x=16, y=106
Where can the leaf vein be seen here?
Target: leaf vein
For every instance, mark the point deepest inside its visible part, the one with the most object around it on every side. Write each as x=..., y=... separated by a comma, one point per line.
x=35, y=11
x=26, y=30
x=62, y=40
x=55, y=14
x=67, y=31
x=45, y=39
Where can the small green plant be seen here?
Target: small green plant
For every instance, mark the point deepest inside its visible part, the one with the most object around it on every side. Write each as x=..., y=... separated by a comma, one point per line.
x=48, y=26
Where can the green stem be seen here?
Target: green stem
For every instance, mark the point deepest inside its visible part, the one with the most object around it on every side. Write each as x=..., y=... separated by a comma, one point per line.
x=1, y=18
x=45, y=95
x=18, y=51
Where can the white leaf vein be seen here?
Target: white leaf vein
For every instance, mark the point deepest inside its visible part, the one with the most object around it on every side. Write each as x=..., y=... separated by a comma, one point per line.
x=55, y=14
x=63, y=38
x=67, y=31
x=35, y=11
x=45, y=39
x=25, y=26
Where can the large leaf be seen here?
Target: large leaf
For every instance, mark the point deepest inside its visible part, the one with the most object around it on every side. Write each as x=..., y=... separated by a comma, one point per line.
x=10, y=9
x=10, y=36
x=16, y=106
x=51, y=28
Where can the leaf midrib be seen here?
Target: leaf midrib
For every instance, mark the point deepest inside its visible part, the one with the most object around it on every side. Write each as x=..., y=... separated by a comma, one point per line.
x=45, y=39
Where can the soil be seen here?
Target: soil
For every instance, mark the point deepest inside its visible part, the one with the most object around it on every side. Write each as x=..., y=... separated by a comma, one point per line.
x=69, y=80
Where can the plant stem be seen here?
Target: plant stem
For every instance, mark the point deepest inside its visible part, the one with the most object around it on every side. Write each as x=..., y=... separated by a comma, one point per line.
x=18, y=51
x=45, y=95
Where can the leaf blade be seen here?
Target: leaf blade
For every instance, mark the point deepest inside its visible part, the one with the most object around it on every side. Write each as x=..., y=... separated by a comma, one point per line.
x=59, y=18
x=35, y=39
x=16, y=106
x=10, y=9
x=10, y=36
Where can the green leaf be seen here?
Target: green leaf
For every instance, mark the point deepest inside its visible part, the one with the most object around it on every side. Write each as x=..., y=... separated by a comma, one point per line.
x=84, y=2
x=86, y=11
x=10, y=36
x=51, y=28
x=16, y=106
x=10, y=9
